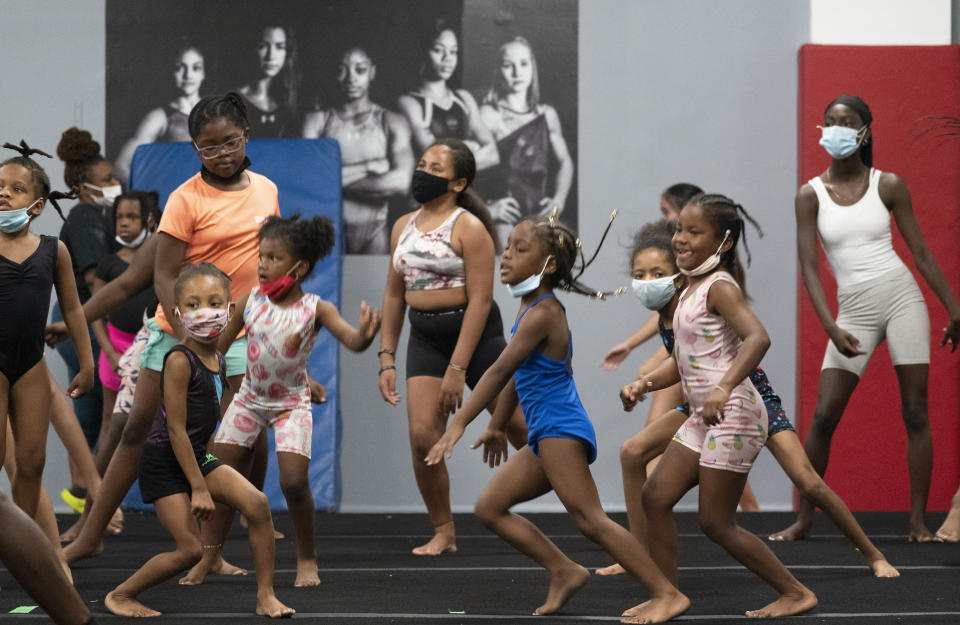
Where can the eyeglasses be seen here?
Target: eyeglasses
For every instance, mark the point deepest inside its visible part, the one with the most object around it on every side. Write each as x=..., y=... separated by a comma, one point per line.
x=227, y=147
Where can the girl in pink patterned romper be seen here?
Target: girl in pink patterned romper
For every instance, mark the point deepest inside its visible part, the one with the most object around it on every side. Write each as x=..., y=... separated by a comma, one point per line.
x=282, y=323
x=719, y=342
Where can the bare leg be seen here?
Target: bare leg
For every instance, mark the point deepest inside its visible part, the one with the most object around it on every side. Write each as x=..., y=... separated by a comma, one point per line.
x=786, y=448
x=30, y=417
x=174, y=513
x=214, y=532
x=834, y=391
x=229, y=487
x=913, y=401
x=257, y=470
x=719, y=492
x=949, y=532
x=32, y=562
x=296, y=490
x=122, y=469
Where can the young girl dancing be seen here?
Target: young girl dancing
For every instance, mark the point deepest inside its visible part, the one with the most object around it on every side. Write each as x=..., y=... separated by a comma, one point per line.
x=29, y=265
x=656, y=280
x=719, y=343
x=177, y=474
x=282, y=323
x=534, y=370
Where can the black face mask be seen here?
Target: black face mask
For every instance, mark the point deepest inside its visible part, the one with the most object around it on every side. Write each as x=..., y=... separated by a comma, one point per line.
x=426, y=187
x=209, y=176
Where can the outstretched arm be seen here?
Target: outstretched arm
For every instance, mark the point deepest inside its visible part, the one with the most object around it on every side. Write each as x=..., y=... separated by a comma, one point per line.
x=896, y=195
x=356, y=339
x=618, y=353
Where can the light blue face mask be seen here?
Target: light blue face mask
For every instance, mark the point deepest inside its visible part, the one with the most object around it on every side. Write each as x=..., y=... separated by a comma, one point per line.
x=529, y=284
x=15, y=221
x=655, y=294
x=840, y=141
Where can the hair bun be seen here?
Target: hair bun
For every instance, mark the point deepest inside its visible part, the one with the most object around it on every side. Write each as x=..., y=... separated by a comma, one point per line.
x=77, y=146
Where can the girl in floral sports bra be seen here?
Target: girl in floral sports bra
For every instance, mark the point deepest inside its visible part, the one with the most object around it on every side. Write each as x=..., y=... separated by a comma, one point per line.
x=442, y=268
x=719, y=343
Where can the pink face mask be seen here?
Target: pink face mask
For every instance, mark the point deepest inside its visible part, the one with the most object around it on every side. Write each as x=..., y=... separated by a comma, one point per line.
x=204, y=324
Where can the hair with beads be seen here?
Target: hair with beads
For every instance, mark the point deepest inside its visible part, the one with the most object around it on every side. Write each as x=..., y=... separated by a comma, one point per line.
x=229, y=106
x=726, y=216
x=309, y=240
x=41, y=181
x=657, y=235
x=561, y=241
x=193, y=270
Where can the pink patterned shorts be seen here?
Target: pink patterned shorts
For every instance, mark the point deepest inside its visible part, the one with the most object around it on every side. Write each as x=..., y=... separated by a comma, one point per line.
x=293, y=429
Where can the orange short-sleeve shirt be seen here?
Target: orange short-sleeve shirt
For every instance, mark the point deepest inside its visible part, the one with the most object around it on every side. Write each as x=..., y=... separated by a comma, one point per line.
x=220, y=227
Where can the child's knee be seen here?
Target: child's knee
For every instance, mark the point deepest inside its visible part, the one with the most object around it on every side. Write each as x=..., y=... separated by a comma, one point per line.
x=294, y=486
x=632, y=455
x=30, y=463
x=715, y=528
x=589, y=524
x=257, y=507
x=190, y=554
x=136, y=428
x=488, y=511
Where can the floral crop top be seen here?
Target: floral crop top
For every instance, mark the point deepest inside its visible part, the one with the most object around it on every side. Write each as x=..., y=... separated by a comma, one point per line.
x=426, y=260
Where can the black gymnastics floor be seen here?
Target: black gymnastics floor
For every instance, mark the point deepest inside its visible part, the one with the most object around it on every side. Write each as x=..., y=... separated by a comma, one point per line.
x=370, y=577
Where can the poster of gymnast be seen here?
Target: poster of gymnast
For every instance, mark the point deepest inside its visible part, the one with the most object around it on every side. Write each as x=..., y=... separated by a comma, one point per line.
x=382, y=78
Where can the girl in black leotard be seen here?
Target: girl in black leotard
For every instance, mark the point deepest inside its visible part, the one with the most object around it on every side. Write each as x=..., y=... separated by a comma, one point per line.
x=29, y=265
x=436, y=111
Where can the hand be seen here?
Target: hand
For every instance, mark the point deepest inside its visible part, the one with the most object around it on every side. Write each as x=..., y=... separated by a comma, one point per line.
x=952, y=333
x=113, y=359
x=82, y=383
x=546, y=205
x=318, y=394
x=712, y=412
x=451, y=391
x=506, y=210
x=368, y=322
x=495, y=447
x=388, y=387
x=444, y=447
x=201, y=505
x=55, y=333
x=634, y=392
x=846, y=343
x=616, y=355
x=378, y=166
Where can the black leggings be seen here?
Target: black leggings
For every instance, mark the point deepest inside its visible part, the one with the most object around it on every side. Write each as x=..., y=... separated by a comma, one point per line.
x=433, y=336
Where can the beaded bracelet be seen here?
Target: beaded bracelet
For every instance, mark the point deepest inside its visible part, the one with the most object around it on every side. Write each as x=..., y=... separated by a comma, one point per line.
x=386, y=351
x=386, y=368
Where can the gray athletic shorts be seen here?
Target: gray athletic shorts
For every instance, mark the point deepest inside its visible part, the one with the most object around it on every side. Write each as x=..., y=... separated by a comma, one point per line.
x=888, y=307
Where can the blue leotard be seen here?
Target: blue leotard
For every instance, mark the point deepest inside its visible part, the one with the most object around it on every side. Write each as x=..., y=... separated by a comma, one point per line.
x=776, y=417
x=549, y=398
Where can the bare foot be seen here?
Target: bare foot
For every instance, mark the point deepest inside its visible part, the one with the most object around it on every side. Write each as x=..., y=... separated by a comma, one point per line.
x=444, y=541
x=919, y=533
x=949, y=532
x=272, y=608
x=658, y=609
x=115, y=526
x=73, y=531
x=122, y=605
x=787, y=604
x=613, y=569
x=882, y=568
x=201, y=569
x=563, y=585
x=78, y=551
x=306, y=573
x=797, y=531
x=277, y=534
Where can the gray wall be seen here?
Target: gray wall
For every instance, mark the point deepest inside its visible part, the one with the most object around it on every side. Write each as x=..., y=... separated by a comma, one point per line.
x=695, y=91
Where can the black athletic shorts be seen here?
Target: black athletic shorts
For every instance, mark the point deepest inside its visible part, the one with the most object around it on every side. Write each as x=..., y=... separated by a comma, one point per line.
x=161, y=475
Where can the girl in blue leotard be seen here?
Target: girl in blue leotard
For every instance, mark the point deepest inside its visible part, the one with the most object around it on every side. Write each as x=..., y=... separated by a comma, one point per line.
x=534, y=371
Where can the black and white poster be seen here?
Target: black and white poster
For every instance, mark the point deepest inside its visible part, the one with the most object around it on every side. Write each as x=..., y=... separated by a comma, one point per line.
x=383, y=78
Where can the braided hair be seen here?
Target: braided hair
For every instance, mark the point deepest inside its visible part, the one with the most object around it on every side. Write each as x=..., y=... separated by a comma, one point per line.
x=149, y=205
x=40, y=179
x=728, y=216
x=199, y=269
x=860, y=108
x=561, y=241
x=310, y=240
x=229, y=106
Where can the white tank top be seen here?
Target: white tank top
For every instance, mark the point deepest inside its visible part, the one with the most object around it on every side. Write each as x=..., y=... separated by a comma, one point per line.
x=856, y=238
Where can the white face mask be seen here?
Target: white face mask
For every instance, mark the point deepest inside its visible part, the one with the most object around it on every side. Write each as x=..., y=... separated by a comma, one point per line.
x=655, y=294
x=135, y=243
x=107, y=194
x=529, y=284
x=708, y=265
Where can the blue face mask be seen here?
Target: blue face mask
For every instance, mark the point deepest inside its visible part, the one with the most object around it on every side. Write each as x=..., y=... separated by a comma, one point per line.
x=15, y=221
x=529, y=284
x=655, y=294
x=840, y=141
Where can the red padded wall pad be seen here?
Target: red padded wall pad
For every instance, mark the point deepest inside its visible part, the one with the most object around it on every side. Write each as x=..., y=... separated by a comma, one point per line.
x=904, y=86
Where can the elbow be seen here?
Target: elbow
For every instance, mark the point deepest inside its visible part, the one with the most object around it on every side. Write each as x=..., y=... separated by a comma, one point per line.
x=763, y=343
